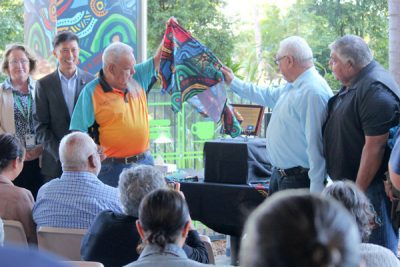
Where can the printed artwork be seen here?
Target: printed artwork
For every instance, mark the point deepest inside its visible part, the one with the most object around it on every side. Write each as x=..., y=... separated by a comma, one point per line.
x=190, y=72
x=96, y=22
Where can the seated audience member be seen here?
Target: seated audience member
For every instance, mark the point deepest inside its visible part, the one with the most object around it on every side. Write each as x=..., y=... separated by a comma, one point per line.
x=163, y=225
x=74, y=199
x=295, y=228
x=14, y=256
x=15, y=202
x=394, y=165
x=357, y=203
x=112, y=237
x=1, y=232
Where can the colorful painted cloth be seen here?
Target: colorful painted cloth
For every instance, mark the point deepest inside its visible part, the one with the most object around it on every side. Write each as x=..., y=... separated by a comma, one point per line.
x=190, y=72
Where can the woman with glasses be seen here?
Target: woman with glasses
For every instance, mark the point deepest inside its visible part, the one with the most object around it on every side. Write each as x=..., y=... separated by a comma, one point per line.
x=16, y=111
x=15, y=202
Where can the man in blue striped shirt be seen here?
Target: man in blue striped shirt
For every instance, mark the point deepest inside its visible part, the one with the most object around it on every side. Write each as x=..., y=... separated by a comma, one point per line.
x=294, y=136
x=74, y=199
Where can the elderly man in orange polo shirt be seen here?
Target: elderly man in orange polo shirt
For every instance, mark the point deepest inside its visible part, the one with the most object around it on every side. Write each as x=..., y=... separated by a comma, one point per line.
x=113, y=109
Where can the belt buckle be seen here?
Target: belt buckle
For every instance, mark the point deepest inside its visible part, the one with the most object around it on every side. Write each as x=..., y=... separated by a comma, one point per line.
x=133, y=159
x=282, y=172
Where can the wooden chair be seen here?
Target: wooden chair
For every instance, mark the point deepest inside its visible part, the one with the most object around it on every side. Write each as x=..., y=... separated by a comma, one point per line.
x=84, y=263
x=14, y=233
x=61, y=241
x=207, y=243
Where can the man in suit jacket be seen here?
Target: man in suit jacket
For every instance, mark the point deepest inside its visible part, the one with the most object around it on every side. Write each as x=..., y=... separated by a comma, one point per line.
x=55, y=97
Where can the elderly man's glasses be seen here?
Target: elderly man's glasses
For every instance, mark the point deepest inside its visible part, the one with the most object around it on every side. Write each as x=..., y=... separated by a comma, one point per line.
x=16, y=62
x=278, y=59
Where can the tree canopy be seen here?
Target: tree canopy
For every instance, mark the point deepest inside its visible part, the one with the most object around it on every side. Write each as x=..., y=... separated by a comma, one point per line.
x=203, y=19
x=11, y=22
x=320, y=22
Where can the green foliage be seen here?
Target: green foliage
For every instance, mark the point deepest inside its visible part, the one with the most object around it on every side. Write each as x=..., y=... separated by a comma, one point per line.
x=11, y=25
x=202, y=18
x=366, y=18
x=11, y=22
x=320, y=22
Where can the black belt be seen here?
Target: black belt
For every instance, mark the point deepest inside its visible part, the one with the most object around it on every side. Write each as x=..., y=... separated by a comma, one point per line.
x=127, y=160
x=292, y=171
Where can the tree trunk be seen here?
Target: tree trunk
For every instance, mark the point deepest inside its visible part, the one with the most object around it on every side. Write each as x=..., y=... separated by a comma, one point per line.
x=258, y=40
x=394, y=39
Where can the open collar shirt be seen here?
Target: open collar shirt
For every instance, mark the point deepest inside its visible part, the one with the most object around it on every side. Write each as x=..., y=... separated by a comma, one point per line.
x=294, y=135
x=68, y=87
x=74, y=200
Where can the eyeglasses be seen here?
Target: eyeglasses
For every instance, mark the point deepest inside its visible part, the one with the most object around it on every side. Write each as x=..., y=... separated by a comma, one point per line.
x=277, y=60
x=16, y=62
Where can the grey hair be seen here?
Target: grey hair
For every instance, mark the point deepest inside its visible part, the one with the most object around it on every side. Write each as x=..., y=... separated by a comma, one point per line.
x=135, y=183
x=352, y=48
x=75, y=149
x=114, y=52
x=1, y=232
x=296, y=47
x=356, y=202
x=296, y=228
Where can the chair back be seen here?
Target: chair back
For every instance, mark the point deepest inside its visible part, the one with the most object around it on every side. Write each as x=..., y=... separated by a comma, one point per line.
x=64, y=242
x=207, y=243
x=14, y=233
x=84, y=263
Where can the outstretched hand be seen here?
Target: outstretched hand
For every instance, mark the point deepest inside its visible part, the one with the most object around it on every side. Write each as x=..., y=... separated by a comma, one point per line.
x=171, y=19
x=157, y=56
x=228, y=74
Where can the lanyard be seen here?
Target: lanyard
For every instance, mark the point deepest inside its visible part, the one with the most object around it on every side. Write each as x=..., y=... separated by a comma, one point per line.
x=21, y=109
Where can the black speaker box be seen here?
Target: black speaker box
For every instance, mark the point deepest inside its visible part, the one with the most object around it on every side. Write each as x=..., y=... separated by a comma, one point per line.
x=236, y=161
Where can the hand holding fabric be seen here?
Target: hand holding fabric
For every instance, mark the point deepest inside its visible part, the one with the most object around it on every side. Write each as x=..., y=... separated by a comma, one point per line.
x=228, y=74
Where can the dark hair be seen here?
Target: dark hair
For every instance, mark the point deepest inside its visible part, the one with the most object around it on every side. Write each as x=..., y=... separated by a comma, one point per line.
x=29, y=54
x=10, y=149
x=356, y=202
x=64, y=36
x=296, y=228
x=163, y=214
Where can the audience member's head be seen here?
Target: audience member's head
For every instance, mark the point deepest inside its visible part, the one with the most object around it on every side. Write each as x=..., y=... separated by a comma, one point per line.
x=356, y=202
x=1, y=232
x=295, y=228
x=78, y=152
x=163, y=218
x=12, y=154
x=135, y=183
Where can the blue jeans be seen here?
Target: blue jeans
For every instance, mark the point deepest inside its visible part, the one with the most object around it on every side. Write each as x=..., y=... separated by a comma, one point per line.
x=278, y=183
x=384, y=235
x=109, y=173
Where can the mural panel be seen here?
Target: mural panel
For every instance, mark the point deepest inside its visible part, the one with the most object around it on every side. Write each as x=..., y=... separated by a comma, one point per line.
x=96, y=22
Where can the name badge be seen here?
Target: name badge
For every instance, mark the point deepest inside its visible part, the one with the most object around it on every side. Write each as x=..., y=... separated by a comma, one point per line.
x=30, y=141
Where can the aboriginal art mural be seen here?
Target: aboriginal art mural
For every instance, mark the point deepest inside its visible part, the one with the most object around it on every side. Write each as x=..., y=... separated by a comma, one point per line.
x=96, y=22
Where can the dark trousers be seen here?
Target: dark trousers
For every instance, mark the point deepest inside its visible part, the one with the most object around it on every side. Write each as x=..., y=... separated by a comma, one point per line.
x=278, y=182
x=384, y=234
x=30, y=177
